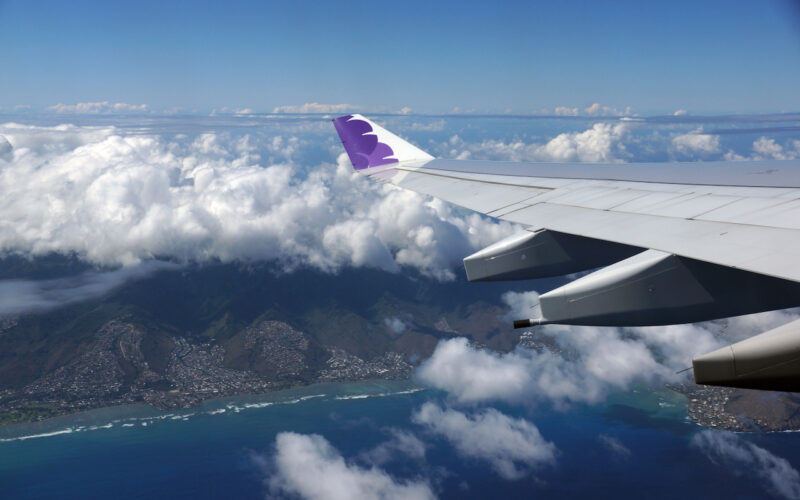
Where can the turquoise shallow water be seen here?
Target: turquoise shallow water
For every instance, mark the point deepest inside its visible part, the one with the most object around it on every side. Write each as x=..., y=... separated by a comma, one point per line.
x=208, y=452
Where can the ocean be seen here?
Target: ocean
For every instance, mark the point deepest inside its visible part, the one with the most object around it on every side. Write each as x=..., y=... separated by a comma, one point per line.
x=220, y=449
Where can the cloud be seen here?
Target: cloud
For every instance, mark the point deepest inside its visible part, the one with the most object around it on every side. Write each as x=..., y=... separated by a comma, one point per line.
x=767, y=149
x=96, y=108
x=402, y=443
x=309, y=467
x=565, y=111
x=6, y=149
x=742, y=327
x=430, y=126
x=593, y=145
x=24, y=296
x=457, y=110
x=315, y=107
x=593, y=110
x=696, y=142
x=396, y=324
x=526, y=376
x=597, y=110
x=588, y=362
x=118, y=199
x=744, y=458
x=473, y=375
x=234, y=111
x=521, y=305
x=680, y=112
x=601, y=143
x=615, y=446
x=513, y=447
x=580, y=364
x=622, y=140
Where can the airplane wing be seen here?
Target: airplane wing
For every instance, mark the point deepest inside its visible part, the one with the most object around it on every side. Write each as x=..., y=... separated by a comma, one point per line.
x=675, y=242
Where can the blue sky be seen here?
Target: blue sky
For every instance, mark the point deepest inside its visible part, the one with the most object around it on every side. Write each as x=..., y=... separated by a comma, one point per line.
x=657, y=57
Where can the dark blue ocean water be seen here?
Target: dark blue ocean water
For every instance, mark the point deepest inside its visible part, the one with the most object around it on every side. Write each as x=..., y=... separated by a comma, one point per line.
x=137, y=452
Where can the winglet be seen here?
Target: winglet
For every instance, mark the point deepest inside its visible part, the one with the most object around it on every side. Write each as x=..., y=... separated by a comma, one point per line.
x=370, y=145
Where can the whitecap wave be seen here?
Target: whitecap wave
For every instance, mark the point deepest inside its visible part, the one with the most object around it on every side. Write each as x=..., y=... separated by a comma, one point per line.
x=379, y=394
x=68, y=430
x=355, y=396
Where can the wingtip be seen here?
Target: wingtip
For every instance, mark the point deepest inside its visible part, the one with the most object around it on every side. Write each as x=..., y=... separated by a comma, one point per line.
x=361, y=142
x=370, y=145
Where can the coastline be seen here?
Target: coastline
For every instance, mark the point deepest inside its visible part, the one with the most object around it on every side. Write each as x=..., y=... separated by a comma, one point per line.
x=143, y=415
x=114, y=372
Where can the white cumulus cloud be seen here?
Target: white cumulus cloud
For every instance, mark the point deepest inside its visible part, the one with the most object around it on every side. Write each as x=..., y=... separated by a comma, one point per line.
x=114, y=198
x=742, y=457
x=696, y=143
x=765, y=148
x=513, y=446
x=526, y=376
x=597, y=109
x=309, y=467
x=768, y=149
x=604, y=142
x=587, y=362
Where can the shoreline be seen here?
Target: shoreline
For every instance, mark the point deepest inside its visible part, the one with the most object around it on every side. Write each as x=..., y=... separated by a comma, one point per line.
x=124, y=415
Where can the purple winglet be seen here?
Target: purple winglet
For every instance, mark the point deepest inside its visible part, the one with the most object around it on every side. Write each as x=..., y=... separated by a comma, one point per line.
x=362, y=147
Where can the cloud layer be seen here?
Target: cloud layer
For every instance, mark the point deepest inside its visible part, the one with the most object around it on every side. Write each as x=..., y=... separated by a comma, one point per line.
x=603, y=142
x=115, y=198
x=98, y=108
x=315, y=107
x=119, y=196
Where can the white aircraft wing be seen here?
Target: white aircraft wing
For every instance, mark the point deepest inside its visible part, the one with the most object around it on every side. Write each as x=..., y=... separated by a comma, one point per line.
x=678, y=242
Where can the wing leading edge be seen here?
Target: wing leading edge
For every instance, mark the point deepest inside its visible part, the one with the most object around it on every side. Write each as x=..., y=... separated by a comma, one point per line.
x=681, y=243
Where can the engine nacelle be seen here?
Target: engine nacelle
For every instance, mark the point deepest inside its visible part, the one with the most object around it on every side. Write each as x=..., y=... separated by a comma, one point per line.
x=657, y=288
x=768, y=361
x=530, y=255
